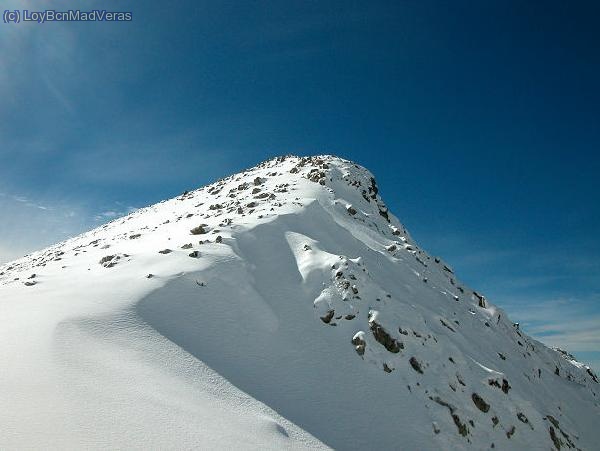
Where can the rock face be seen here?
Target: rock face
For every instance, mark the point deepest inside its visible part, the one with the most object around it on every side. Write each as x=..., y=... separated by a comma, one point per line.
x=307, y=317
x=384, y=338
x=480, y=403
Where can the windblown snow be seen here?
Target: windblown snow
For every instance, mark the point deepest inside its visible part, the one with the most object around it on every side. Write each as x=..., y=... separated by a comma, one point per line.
x=280, y=308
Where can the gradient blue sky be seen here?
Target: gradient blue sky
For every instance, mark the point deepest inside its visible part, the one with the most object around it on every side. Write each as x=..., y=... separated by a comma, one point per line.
x=480, y=120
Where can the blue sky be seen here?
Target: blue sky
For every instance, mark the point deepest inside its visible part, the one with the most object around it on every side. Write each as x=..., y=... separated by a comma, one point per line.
x=480, y=120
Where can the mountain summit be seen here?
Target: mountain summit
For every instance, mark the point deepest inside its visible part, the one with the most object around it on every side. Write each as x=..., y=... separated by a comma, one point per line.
x=283, y=307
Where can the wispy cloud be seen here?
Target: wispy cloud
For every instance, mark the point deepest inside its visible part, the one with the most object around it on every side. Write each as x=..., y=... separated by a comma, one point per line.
x=29, y=224
x=106, y=215
x=569, y=323
x=553, y=292
x=25, y=201
x=120, y=210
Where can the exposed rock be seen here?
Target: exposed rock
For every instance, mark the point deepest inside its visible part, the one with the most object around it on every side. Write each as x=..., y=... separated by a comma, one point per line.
x=383, y=211
x=592, y=375
x=510, y=432
x=480, y=299
x=553, y=420
x=416, y=365
x=462, y=428
x=480, y=403
x=384, y=338
x=441, y=402
x=359, y=343
x=110, y=261
x=165, y=251
x=522, y=418
x=106, y=259
x=555, y=439
x=198, y=230
x=505, y=387
x=445, y=324
x=328, y=316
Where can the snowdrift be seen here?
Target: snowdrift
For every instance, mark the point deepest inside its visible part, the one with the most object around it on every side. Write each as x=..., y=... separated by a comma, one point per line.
x=280, y=308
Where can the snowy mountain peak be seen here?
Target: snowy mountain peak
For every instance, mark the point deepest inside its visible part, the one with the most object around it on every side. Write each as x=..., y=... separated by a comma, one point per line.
x=284, y=306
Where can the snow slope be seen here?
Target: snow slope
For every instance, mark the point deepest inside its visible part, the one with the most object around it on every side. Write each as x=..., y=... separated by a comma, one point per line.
x=283, y=307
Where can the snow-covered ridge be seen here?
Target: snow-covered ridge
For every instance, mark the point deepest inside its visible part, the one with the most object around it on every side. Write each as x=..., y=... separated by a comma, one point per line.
x=292, y=288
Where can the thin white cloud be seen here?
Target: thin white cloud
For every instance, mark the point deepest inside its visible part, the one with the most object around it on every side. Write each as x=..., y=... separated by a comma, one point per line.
x=119, y=210
x=58, y=94
x=28, y=224
x=26, y=201
x=9, y=253
x=144, y=156
x=570, y=324
x=106, y=215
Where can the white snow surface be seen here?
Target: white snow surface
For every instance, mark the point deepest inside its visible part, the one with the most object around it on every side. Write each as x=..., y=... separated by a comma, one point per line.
x=302, y=315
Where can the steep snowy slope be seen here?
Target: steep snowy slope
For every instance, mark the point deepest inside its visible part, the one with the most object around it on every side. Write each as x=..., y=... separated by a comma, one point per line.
x=283, y=307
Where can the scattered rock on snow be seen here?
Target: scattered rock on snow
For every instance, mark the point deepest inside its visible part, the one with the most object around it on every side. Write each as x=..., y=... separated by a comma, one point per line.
x=510, y=432
x=416, y=365
x=359, y=343
x=106, y=259
x=462, y=428
x=480, y=403
x=383, y=337
x=198, y=230
x=328, y=316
